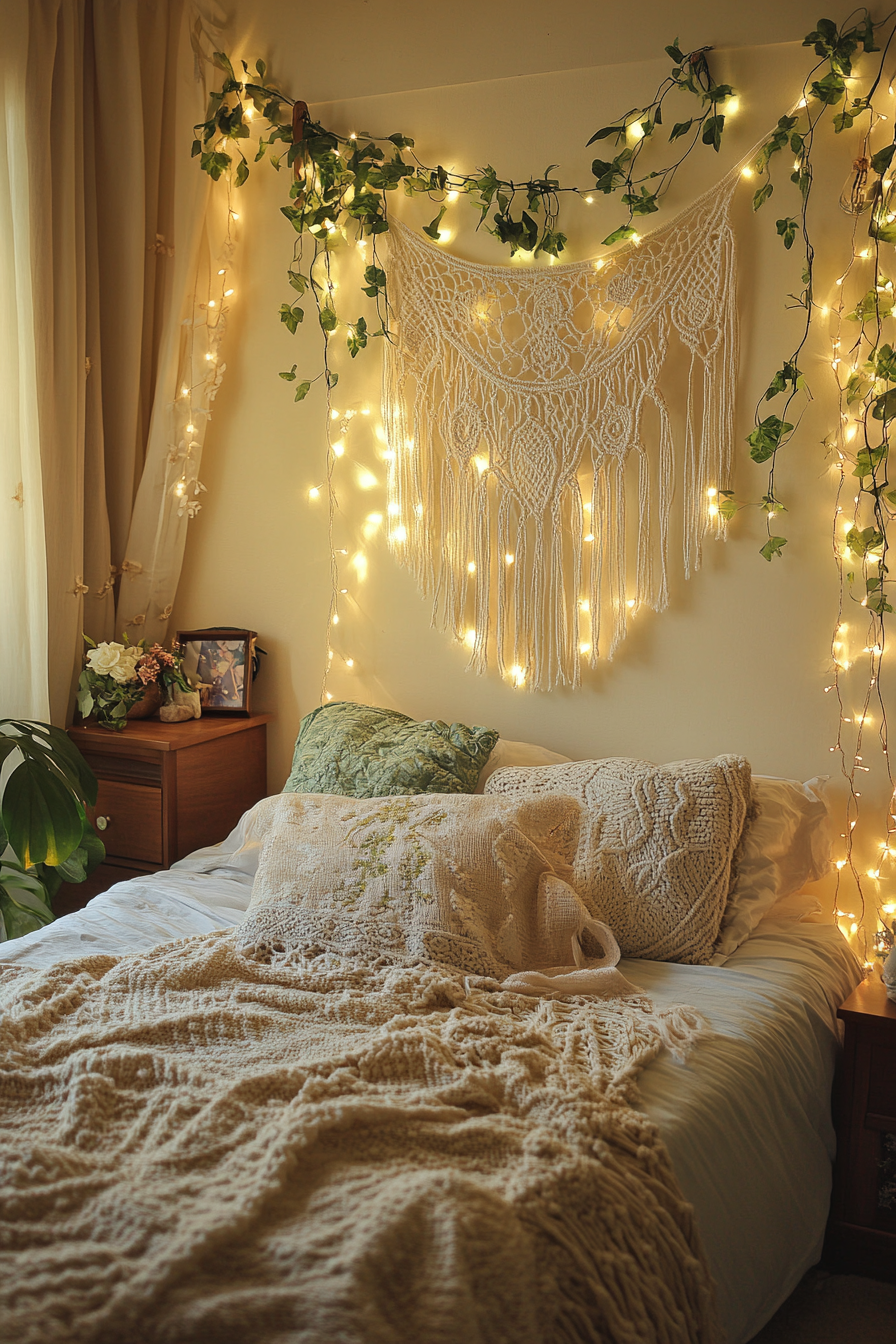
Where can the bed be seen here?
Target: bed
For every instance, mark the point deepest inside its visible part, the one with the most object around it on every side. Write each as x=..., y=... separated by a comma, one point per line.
x=745, y=1115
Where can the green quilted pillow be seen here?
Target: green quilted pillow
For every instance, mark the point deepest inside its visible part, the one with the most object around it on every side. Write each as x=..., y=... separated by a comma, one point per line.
x=363, y=752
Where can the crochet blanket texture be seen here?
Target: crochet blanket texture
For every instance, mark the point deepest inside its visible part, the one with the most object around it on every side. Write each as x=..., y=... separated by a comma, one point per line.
x=199, y=1145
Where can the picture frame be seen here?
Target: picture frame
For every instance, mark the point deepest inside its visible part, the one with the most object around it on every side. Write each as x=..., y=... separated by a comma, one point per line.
x=219, y=662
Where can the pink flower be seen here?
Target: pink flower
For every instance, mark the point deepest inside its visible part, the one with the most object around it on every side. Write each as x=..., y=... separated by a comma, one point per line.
x=148, y=669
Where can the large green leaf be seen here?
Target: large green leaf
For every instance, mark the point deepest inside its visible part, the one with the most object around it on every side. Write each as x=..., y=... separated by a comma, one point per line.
x=24, y=904
x=41, y=816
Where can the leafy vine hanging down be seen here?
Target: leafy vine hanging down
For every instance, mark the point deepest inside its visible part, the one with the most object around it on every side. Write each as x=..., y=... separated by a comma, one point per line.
x=340, y=185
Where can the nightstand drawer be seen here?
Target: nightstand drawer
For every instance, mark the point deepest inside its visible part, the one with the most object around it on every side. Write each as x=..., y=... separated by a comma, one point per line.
x=133, y=820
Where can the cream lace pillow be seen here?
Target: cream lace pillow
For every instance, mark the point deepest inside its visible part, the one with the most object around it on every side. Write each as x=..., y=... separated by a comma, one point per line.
x=475, y=882
x=655, y=846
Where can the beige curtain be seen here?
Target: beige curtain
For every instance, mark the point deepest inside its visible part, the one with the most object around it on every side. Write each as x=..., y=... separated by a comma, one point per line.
x=112, y=88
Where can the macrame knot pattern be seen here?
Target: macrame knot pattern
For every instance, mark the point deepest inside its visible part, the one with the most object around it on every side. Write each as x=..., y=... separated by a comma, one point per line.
x=525, y=408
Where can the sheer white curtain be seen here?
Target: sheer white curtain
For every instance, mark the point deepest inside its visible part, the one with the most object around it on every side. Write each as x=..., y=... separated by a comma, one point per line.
x=24, y=691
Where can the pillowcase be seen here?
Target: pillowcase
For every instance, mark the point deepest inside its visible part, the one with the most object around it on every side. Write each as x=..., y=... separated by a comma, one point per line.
x=508, y=752
x=655, y=845
x=362, y=752
x=786, y=845
x=473, y=882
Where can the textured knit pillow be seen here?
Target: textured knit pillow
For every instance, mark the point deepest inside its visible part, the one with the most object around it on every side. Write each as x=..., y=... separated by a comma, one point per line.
x=362, y=752
x=655, y=847
x=471, y=881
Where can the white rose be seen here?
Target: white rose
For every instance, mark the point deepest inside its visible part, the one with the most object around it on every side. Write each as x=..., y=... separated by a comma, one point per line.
x=126, y=667
x=104, y=658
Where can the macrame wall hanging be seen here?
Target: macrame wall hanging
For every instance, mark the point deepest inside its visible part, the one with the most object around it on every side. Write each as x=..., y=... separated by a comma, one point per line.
x=532, y=450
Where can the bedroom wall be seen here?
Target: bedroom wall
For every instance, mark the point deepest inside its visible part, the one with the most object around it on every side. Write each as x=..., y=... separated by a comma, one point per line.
x=739, y=661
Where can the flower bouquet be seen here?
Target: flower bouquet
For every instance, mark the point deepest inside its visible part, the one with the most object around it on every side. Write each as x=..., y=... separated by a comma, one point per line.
x=118, y=676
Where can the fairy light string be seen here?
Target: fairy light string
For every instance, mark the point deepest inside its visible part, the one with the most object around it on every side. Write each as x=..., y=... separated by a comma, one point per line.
x=341, y=182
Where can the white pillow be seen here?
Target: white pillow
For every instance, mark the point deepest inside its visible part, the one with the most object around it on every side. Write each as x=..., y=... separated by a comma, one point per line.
x=516, y=753
x=477, y=883
x=655, y=848
x=786, y=845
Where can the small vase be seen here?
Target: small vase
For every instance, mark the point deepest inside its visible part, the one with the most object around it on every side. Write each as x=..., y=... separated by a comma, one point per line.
x=149, y=702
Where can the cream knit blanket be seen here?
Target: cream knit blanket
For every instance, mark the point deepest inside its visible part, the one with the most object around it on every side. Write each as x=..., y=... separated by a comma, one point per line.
x=198, y=1147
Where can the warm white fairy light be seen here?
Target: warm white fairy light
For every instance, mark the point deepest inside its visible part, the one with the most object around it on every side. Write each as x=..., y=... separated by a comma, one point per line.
x=471, y=567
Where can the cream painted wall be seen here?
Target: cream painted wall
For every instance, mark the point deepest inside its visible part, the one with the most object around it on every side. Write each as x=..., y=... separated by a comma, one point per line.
x=740, y=660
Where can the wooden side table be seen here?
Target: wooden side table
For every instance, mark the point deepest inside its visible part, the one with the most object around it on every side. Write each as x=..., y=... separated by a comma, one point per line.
x=861, y=1237
x=166, y=789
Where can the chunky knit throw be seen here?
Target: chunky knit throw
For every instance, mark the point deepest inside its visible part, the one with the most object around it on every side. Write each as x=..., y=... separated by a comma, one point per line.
x=199, y=1147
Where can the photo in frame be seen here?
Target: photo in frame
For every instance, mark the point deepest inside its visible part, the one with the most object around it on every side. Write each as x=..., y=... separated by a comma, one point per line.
x=218, y=662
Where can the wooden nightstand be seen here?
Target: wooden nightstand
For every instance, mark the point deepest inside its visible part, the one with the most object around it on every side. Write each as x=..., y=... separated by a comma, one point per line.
x=166, y=789
x=861, y=1236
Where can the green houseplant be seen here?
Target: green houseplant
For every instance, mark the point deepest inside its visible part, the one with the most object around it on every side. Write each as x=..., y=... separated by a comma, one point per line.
x=45, y=837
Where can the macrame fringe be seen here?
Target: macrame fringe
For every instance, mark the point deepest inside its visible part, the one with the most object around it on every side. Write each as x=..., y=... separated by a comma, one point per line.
x=534, y=501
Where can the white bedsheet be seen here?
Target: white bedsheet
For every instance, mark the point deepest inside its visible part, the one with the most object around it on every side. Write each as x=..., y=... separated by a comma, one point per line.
x=746, y=1118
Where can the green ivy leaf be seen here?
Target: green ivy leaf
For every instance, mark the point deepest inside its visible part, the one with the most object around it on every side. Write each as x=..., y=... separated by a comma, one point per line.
x=432, y=228
x=328, y=319
x=298, y=281
x=291, y=317
x=624, y=232
x=712, y=131
x=787, y=231
x=881, y=161
x=761, y=196
x=679, y=129
x=765, y=440
x=242, y=172
x=302, y=391
x=290, y=375
x=773, y=547
x=357, y=338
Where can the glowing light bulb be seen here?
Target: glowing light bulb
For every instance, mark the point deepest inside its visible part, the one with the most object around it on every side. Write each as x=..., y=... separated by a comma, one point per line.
x=471, y=567
x=335, y=617
x=212, y=303
x=393, y=509
x=801, y=103
x=452, y=196
x=481, y=464
x=180, y=488
x=518, y=675
x=636, y=130
x=714, y=509
x=631, y=604
x=850, y=433
x=732, y=107
x=334, y=415
x=599, y=264
x=865, y=253
x=221, y=272
x=445, y=235
x=589, y=536
x=746, y=172
x=314, y=493
x=589, y=200
x=191, y=429
x=349, y=662
x=584, y=605
x=712, y=492
x=185, y=391
x=584, y=648
x=841, y=863
x=338, y=449
x=209, y=355
x=509, y=558
x=366, y=480
x=234, y=214
x=637, y=239
x=227, y=293
x=328, y=696
x=470, y=638
x=418, y=510
x=400, y=534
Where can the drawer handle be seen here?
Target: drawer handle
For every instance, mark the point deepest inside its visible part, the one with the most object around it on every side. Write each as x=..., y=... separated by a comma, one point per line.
x=102, y=823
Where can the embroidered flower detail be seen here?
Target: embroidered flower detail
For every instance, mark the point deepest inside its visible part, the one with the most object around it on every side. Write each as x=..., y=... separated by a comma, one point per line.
x=80, y=586
x=131, y=567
